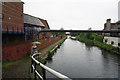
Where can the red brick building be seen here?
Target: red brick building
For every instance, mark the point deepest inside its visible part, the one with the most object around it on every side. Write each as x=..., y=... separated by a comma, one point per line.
x=12, y=22
x=32, y=25
x=18, y=30
x=46, y=27
x=13, y=35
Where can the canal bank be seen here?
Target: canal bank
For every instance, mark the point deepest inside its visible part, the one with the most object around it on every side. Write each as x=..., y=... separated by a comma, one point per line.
x=45, y=50
x=47, y=53
x=99, y=43
x=77, y=60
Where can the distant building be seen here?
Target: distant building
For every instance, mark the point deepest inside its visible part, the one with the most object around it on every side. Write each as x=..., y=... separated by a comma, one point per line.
x=112, y=38
x=18, y=30
x=47, y=34
x=114, y=41
x=32, y=24
x=112, y=26
x=118, y=10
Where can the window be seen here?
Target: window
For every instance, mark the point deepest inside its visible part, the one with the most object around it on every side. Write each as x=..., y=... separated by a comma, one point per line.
x=106, y=40
x=2, y=3
x=1, y=16
x=118, y=44
x=112, y=42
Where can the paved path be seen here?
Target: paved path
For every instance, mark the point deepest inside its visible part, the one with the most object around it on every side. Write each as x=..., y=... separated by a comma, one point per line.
x=43, y=52
x=18, y=70
x=21, y=69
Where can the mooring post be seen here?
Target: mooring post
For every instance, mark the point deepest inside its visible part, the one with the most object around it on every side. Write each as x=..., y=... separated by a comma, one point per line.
x=44, y=74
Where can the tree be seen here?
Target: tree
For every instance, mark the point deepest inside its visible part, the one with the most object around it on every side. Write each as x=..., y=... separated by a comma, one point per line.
x=61, y=28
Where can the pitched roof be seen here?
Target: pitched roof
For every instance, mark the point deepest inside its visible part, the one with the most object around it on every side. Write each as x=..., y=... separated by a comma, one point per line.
x=45, y=23
x=28, y=19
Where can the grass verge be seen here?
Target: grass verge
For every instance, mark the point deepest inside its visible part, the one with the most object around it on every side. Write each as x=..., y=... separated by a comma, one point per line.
x=8, y=62
x=52, y=50
x=101, y=45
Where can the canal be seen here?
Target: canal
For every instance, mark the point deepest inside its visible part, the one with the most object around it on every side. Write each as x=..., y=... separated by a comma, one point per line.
x=77, y=60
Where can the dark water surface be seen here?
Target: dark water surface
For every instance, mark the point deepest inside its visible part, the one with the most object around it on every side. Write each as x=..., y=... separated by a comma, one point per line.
x=76, y=60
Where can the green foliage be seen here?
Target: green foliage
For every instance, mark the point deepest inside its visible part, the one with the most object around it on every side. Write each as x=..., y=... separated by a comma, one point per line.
x=8, y=63
x=92, y=36
x=107, y=47
x=85, y=40
x=97, y=42
x=38, y=68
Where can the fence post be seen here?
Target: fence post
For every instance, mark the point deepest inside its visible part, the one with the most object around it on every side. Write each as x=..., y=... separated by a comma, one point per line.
x=35, y=72
x=13, y=29
x=7, y=29
x=31, y=65
x=17, y=29
x=21, y=30
x=43, y=72
x=24, y=30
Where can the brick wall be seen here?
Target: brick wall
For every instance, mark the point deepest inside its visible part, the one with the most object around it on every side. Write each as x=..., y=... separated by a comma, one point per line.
x=12, y=15
x=46, y=26
x=48, y=42
x=16, y=51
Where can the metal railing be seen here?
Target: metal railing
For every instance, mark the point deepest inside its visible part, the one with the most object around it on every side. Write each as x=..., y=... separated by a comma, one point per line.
x=18, y=29
x=35, y=62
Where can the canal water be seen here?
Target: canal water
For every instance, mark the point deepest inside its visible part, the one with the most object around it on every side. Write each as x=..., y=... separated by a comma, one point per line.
x=77, y=60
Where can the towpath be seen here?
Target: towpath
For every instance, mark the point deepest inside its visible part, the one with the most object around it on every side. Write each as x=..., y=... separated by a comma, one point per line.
x=21, y=69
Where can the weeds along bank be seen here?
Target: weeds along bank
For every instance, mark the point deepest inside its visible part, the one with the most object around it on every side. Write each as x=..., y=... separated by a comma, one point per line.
x=97, y=40
x=51, y=51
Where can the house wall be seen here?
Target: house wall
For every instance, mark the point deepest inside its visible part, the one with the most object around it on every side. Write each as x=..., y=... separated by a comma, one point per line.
x=16, y=51
x=111, y=26
x=46, y=26
x=12, y=15
x=48, y=42
x=107, y=26
x=116, y=40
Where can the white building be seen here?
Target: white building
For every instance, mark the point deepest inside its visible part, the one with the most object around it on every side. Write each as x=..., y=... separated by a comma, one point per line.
x=114, y=41
x=112, y=38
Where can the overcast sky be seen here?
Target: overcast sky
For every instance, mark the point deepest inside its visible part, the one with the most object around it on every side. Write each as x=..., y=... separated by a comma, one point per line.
x=73, y=14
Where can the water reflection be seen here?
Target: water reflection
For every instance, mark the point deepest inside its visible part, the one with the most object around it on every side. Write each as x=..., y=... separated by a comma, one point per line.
x=76, y=60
